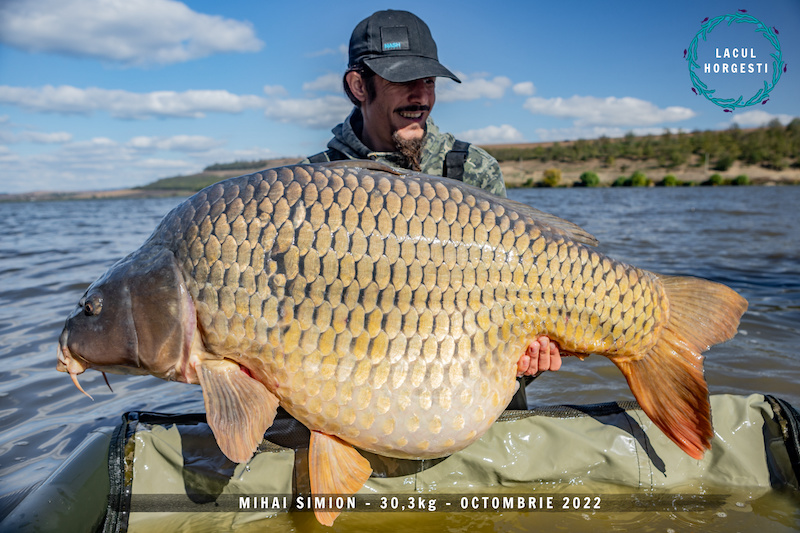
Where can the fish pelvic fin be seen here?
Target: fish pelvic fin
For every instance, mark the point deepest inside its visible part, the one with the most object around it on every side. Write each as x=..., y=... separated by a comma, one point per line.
x=239, y=409
x=668, y=381
x=335, y=468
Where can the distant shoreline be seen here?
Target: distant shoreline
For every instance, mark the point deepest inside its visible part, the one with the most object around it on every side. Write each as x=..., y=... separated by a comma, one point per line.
x=530, y=172
x=516, y=174
x=715, y=157
x=55, y=196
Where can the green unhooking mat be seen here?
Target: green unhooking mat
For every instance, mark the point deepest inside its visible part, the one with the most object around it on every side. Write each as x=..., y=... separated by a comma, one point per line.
x=166, y=473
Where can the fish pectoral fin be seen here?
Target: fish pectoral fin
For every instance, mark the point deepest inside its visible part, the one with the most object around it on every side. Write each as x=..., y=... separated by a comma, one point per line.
x=335, y=468
x=239, y=409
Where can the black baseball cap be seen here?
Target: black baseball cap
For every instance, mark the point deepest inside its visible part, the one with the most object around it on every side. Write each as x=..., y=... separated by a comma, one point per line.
x=397, y=46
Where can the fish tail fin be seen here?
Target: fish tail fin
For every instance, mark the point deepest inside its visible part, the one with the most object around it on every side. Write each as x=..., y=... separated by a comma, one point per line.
x=668, y=381
x=335, y=468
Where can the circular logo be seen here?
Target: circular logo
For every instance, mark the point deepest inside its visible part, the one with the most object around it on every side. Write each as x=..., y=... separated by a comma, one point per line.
x=742, y=62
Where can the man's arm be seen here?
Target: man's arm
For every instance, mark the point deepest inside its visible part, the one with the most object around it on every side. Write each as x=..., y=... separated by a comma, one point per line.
x=482, y=170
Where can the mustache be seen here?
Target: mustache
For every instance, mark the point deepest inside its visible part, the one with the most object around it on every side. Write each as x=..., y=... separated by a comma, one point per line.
x=412, y=108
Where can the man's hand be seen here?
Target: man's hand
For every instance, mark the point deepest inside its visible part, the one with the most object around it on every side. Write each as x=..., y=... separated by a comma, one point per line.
x=542, y=354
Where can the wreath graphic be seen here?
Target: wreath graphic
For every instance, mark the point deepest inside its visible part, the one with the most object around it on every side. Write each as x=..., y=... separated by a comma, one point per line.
x=729, y=104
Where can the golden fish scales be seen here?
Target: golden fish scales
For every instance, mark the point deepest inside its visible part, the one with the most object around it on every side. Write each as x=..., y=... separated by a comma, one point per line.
x=391, y=311
x=386, y=310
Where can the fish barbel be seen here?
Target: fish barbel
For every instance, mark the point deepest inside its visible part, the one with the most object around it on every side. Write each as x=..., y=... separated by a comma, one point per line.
x=385, y=310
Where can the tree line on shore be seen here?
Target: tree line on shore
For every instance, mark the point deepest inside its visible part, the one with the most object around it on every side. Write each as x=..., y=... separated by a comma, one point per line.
x=774, y=146
x=552, y=178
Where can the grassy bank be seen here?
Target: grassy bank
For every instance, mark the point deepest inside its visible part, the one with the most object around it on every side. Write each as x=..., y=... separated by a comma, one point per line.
x=768, y=155
x=214, y=173
x=533, y=173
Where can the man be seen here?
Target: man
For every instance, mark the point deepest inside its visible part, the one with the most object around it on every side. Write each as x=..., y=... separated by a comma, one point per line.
x=391, y=80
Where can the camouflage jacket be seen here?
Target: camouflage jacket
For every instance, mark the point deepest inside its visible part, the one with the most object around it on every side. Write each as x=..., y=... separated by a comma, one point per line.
x=480, y=169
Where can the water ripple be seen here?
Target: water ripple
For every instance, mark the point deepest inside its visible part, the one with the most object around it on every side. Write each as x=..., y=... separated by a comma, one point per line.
x=744, y=237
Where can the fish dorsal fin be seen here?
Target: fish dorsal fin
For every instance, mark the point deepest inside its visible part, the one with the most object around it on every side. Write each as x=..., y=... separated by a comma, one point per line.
x=545, y=221
x=565, y=227
x=239, y=409
x=549, y=222
x=335, y=468
x=363, y=163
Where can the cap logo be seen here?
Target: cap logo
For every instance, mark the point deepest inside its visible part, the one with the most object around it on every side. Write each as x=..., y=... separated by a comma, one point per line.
x=394, y=38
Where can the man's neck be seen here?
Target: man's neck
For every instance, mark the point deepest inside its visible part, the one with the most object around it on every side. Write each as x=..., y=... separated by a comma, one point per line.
x=373, y=141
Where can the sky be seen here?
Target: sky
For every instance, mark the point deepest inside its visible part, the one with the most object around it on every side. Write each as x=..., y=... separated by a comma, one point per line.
x=107, y=94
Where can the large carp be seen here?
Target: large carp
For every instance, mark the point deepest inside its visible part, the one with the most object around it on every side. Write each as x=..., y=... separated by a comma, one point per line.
x=387, y=311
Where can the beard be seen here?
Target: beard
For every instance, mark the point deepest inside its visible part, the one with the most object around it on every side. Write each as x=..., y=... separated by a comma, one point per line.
x=410, y=150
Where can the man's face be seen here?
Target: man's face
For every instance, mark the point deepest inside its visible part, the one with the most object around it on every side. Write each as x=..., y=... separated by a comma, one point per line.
x=398, y=108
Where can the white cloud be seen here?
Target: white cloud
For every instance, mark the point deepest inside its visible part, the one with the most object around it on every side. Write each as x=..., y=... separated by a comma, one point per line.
x=125, y=104
x=135, y=32
x=594, y=132
x=524, y=88
x=99, y=142
x=341, y=50
x=100, y=154
x=327, y=82
x=8, y=157
x=324, y=112
x=493, y=135
x=178, y=143
x=36, y=137
x=471, y=88
x=275, y=90
x=56, y=137
x=94, y=164
x=757, y=118
x=103, y=163
x=225, y=155
x=610, y=111
x=161, y=164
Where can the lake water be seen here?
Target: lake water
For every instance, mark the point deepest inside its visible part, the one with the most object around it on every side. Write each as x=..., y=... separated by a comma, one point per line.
x=746, y=237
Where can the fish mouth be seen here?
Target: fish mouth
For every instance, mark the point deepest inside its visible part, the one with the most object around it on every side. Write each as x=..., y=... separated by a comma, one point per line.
x=68, y=363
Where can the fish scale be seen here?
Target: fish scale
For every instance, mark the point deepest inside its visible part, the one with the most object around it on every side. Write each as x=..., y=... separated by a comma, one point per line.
x=392, y=311
x=386, y=310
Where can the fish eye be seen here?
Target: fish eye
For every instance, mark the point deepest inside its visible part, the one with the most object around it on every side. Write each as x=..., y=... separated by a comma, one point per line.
x=92, y=305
